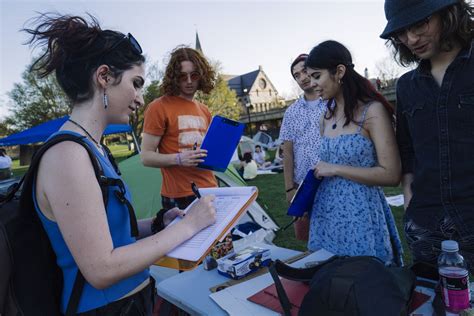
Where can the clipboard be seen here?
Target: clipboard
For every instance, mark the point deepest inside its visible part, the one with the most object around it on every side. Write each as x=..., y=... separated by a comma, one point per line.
x=304, y=197
x=220, y=141
x=173, y=259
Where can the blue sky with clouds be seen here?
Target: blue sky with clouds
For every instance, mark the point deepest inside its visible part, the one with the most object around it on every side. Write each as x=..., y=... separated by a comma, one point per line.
x=241, y=35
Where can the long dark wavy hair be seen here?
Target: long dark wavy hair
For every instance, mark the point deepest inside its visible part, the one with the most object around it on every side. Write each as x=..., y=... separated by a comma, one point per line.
x=170, y=84
x=330, y=54
x=75, y=48
x=457, y=26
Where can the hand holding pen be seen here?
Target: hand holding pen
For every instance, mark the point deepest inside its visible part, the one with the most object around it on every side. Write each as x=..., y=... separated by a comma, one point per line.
x=202, y=213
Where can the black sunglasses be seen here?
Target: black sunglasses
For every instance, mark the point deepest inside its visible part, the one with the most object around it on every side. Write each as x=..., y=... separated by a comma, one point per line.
x=136, y=48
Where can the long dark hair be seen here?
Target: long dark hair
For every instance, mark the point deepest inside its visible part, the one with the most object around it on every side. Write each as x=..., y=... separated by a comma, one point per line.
x=247, y=157
x=328, y=55
x=170, y=84
x=75, y=48
x=457, y=26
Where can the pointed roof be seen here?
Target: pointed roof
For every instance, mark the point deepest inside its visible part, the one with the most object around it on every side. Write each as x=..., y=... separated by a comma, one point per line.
x=239, y=83
x=198, y=44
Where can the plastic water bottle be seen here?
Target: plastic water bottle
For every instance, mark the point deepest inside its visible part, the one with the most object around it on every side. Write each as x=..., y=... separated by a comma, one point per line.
x=454, y=277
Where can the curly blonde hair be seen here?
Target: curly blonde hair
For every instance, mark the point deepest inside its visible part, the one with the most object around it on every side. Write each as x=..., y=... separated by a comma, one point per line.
x=170, y=84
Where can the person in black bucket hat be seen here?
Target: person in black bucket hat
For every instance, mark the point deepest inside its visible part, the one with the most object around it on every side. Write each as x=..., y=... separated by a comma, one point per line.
x=403, y=13
x=435, y=121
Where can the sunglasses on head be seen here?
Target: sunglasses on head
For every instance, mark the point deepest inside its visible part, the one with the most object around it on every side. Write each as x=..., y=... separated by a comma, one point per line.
x=136, y=48
x=194, y=76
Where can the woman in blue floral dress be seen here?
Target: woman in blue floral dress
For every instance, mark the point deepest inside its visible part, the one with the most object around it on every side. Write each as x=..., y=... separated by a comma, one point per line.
x=350, y=215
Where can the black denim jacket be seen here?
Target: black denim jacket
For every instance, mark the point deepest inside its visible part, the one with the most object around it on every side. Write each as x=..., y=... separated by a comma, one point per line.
x=435, y=134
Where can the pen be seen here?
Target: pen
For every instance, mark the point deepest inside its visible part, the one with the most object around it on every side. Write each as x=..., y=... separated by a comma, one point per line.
x=195, y=190
x=195, y=146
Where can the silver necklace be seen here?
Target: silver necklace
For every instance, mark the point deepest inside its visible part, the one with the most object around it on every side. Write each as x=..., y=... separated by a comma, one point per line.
x=85, y=131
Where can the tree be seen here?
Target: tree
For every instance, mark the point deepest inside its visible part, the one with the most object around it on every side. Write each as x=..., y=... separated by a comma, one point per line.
x=5, y=128
x=36, y=100
x=388, y=70
x=221, y=100
x=154, y=75
x=151, y=92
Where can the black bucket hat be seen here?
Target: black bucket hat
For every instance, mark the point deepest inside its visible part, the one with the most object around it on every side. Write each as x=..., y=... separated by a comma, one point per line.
x=403, y=13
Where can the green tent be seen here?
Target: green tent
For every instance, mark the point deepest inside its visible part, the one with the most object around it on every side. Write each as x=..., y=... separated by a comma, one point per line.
x=145, y=184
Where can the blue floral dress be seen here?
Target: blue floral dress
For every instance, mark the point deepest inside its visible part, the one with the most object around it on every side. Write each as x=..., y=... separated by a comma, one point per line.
x=350, y=218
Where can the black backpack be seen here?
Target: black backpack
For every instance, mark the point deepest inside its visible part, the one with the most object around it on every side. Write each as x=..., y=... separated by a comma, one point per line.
x=349, y=286
x=30, y=280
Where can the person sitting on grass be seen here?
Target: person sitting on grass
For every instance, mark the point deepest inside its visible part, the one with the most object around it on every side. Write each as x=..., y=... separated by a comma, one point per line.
x=248, y=167
x=279, y=156
x=260, y=157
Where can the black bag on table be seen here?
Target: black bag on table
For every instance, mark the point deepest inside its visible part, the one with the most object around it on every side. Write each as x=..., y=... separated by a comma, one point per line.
x=349, y=286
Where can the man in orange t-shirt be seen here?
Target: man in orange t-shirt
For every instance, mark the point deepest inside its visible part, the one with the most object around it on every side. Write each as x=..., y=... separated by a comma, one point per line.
x=175, y=123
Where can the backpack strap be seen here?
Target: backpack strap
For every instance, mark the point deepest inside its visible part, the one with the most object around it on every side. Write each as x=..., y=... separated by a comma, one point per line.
x=32, y=170
x=111, y=159
x=76, y=294
x=120, y=194
x=301, y=274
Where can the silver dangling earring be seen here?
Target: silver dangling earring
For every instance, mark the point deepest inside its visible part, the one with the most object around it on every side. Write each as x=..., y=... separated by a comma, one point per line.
x=106, y=100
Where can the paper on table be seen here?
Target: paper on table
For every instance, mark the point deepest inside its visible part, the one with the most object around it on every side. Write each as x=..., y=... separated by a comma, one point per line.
x=229, y=201
x=234, y=299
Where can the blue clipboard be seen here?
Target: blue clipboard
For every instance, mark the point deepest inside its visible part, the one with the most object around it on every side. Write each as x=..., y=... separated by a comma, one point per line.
x=220, y=141
x=304, y=197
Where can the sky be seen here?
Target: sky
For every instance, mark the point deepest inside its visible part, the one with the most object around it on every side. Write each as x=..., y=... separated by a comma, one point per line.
x=241, y=35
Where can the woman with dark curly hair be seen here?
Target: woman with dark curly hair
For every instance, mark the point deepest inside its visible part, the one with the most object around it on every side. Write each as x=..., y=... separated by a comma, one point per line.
x=435, y=121
x=175, y=125
x=102, y=73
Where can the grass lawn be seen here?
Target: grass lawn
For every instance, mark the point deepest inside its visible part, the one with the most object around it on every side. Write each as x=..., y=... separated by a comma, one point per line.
x=272, y=198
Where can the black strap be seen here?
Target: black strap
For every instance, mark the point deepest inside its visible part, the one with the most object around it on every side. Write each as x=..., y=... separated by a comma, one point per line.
x=111, y=159
x=282, y=297
x=131, y=212
x=76, y=294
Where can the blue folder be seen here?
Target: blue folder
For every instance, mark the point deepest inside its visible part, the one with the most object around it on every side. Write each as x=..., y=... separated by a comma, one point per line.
x=304, y=197
x=221, y=140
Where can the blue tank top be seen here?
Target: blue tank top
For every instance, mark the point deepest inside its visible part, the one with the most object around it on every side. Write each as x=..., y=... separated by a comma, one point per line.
x=119, y=225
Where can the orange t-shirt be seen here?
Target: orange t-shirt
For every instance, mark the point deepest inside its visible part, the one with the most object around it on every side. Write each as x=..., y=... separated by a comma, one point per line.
x=180, y=123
